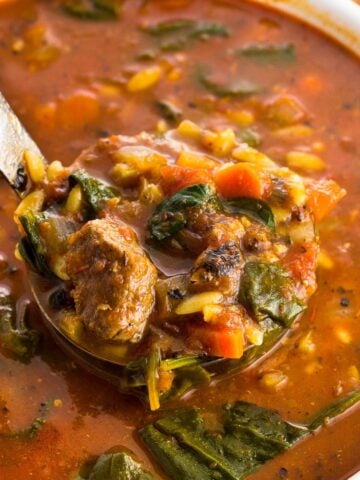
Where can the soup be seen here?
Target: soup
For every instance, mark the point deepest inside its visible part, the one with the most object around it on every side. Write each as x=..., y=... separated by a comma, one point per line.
x=72, y=79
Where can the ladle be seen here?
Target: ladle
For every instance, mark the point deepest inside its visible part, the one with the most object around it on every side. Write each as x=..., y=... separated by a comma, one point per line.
x=14, y=140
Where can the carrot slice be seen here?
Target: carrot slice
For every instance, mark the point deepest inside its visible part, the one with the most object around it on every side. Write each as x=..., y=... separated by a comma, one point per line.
x=239, y=180
x=175, y=177
x=323, y=196
x=219, y=342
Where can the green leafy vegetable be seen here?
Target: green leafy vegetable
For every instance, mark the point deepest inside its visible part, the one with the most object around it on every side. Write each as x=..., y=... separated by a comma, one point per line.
x=246, y=437
x=32, y=247
x=34, y=428
x=237, y=88
x=169, y=111
x=185, y=379
x=114, y=466
x=205, y=30
x=268, y=53
x=172, y=214
x=15, y=337
x=93, y=9
x=170, y=26
x=268, y=291
x=178, y=34
x=95, y=192
x=256, y=209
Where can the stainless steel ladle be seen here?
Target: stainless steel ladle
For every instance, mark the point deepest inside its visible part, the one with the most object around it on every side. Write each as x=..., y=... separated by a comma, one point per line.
x=14, y=140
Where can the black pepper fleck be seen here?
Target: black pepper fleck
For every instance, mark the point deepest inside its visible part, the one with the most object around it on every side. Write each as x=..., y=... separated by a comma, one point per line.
x=344, y=302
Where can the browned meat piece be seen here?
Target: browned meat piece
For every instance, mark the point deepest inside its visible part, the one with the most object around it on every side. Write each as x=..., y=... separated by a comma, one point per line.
x=218, y=269
x=113, y=280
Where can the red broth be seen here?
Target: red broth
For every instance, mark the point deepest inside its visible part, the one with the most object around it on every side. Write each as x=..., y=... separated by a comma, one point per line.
x=73, y=93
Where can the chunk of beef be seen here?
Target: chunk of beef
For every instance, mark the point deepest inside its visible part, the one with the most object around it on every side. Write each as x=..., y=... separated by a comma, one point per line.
x=114, y=281
x=218, y=269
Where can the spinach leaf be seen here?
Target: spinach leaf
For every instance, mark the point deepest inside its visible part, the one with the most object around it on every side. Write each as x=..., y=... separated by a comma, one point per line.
x=267, y=290
x=191, y=27
x=177, y=34
x=185, y=379
x=32, y=247
x=247, y=436
x=95, y=191
x=15, y=337
x=169, y=111
x=118, y=466
x=205, y=30
x=256, y=209
x=34, y=428
x=169, y=26
x=237, y=88
x=93, y=9
x=268, y=53
x=172, y=214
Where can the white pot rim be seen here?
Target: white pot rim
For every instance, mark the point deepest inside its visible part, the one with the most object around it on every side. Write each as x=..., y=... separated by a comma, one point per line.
x=340, y=19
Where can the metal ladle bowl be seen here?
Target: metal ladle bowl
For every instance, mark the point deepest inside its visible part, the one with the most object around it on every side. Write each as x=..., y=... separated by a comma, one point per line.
x=14, y=140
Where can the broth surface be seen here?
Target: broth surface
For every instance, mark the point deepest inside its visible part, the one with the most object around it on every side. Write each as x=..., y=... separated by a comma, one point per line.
x=95, y=59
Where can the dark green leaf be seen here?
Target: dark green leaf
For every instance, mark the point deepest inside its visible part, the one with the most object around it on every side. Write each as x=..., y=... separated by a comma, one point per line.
x=169, y=111
x=186, y=378
x=95, y=191
x=93, y=9
x=32, y=247
x=175, y=35
x=268, y=53
x=237, y=88
x=250, y=136
x=190, y=27
x=114, y=466
x=246, y=437
x=33, y=429
x=333, y=410
x=171, y=215
x=179, y=362
x=256, y=209
x=268, y=291
x=118, y=466
x=169, y=26
x=15, y=337
x=205, y=30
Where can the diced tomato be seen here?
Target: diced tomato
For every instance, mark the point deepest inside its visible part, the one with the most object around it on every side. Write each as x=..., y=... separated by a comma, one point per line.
x=301, y=261
x=219, y=341
x=239, y=180
x=175, y=177
x=323, y=196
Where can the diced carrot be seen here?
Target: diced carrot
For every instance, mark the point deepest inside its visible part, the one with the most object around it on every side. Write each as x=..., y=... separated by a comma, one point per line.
x=175, y=177
x=219, y=341
x=45, y=114
x=301, y=262
x=323, y=196
x=78, y=110
x=312, y=83
x=239, y=180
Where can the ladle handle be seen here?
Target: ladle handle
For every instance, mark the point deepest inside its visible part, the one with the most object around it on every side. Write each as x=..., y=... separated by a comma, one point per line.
x=14, y=140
